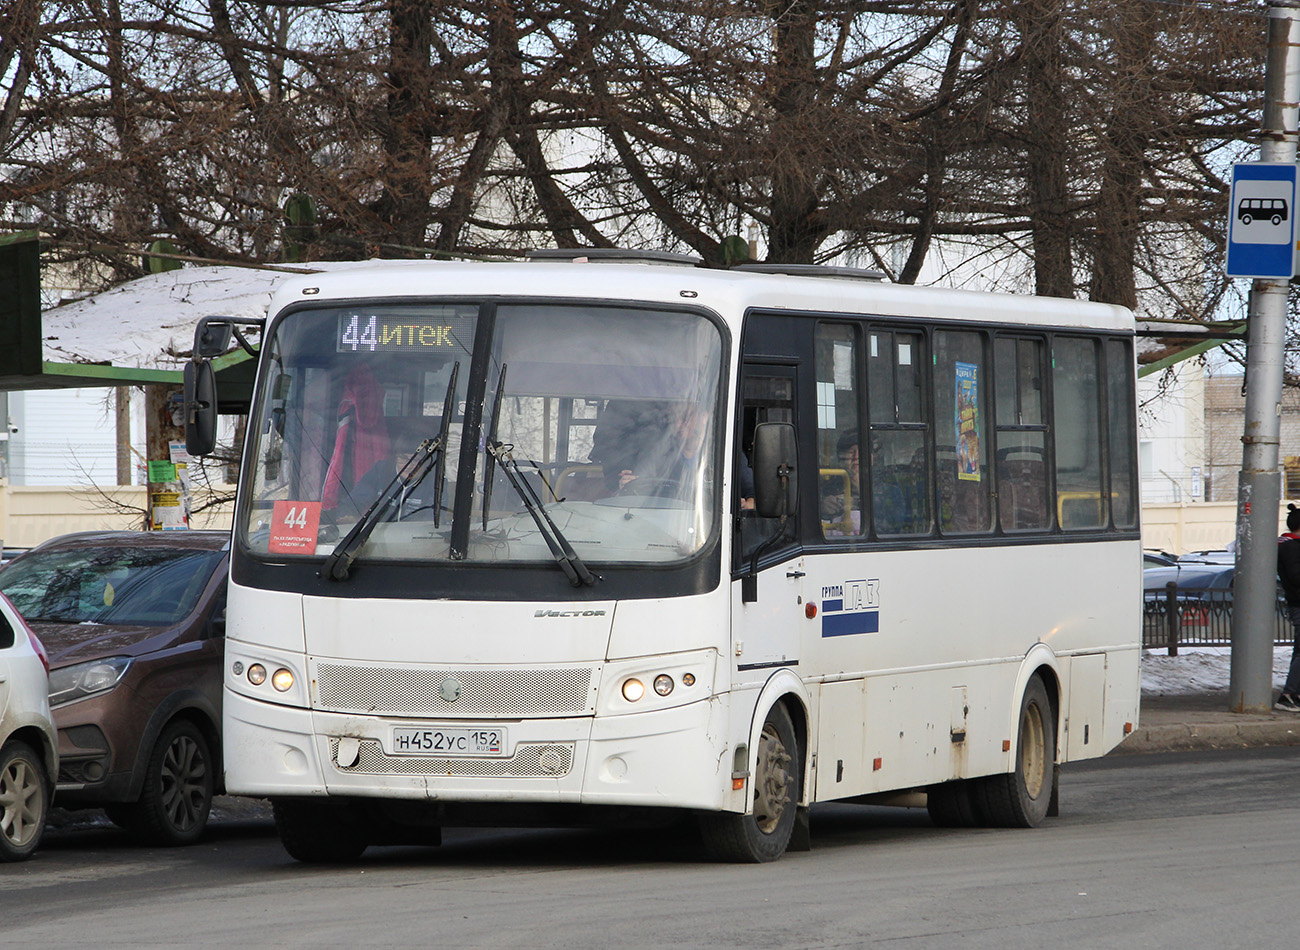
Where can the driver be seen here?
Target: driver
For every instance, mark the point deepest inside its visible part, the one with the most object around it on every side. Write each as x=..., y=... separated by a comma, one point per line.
x=676, y=470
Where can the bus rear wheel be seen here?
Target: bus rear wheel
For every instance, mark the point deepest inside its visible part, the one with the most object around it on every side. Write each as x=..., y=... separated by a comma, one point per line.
x=765, y=834
x=1020, y=798
x=954, y=804
x=319, y=832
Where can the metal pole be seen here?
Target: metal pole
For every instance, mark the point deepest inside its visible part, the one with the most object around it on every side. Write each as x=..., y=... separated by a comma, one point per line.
x=1259, y=492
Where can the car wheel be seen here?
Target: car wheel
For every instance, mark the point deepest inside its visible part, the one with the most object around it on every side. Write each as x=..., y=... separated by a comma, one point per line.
x=24, y=801
x=765, y=834
x=178, y=785
x=320, y=832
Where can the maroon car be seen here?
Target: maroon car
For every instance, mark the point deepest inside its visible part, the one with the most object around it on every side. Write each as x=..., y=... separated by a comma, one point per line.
x=134, y=624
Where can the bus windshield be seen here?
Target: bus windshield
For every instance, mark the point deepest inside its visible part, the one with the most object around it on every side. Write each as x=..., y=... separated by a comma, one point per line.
x=586, y=429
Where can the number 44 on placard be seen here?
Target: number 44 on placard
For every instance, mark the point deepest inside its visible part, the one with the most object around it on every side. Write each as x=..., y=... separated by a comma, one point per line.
x=293, y=527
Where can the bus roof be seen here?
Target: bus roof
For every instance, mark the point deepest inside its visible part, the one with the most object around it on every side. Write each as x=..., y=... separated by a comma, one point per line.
x=728, y=292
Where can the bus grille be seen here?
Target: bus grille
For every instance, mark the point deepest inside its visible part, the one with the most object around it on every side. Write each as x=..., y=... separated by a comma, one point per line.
x=510, y=694
x=531, y=760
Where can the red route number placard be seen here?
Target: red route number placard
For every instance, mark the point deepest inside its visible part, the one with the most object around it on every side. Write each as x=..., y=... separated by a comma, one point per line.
x=293, y=527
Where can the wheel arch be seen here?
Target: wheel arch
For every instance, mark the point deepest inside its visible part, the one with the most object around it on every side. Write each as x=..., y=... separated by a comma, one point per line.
x=190, y=705
x=44, y=746
x=784, y=687
x=1040, y=661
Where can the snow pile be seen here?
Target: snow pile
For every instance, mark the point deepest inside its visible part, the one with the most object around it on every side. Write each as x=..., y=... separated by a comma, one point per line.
x=1198, y=670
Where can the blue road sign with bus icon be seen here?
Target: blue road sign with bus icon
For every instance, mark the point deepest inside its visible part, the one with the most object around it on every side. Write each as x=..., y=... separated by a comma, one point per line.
x=1261, y=220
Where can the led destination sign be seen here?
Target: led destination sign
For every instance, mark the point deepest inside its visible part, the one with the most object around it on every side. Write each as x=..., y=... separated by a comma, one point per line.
x=404, y=332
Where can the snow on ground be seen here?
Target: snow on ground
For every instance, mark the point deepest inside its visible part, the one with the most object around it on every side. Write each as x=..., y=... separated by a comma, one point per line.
x=1198, y=670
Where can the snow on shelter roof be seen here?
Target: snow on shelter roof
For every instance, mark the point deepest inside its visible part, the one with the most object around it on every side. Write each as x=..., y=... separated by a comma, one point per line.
x=142, y=331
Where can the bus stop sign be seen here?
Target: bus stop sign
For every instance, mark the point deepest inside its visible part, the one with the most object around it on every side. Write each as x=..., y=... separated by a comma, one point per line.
x=1261, y=220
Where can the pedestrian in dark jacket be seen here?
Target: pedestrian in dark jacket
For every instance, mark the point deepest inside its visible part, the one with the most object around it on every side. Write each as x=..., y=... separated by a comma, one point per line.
x=1288, y=571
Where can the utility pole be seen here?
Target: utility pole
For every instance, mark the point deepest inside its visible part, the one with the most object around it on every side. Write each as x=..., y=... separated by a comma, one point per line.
x=1259, y=492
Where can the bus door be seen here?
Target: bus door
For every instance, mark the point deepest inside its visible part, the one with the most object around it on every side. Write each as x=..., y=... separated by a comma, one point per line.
x=767, y=570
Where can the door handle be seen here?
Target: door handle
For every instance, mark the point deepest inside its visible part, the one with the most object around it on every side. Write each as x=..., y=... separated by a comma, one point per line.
x=795, y=574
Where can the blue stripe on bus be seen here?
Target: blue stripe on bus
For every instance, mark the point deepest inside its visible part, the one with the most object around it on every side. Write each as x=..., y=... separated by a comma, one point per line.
x=831, y=606
x=857, y=621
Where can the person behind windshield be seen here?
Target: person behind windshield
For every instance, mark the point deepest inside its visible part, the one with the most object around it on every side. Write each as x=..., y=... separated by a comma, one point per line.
x=414, y=501
x=671, y=474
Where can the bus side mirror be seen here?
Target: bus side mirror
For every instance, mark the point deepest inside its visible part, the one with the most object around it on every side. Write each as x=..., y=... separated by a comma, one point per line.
x=200, y=408
x=212, y=339
x=776, y=484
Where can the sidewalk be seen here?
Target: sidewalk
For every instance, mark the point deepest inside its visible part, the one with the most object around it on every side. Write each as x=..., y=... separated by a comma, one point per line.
x=1201, y=721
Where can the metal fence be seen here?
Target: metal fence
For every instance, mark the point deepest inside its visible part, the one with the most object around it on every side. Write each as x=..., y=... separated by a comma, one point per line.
x=1197, y=617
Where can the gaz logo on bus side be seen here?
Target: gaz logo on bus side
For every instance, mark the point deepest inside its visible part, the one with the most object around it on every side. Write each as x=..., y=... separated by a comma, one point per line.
x=850, y=608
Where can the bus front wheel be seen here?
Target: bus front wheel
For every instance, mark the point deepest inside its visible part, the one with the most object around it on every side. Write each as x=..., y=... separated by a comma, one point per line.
x=319, y=832
x=1020, y=798
x=765, y=834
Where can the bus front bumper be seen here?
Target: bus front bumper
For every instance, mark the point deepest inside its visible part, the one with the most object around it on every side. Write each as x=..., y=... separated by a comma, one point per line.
x=675, y=757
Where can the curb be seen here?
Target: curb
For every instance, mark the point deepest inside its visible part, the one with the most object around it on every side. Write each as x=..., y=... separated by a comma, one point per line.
x=1187, y=737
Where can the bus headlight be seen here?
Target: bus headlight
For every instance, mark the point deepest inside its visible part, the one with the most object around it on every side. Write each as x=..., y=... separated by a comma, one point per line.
x=282, y=680
x=663, y=684
x=257, y=674
x=633, y=689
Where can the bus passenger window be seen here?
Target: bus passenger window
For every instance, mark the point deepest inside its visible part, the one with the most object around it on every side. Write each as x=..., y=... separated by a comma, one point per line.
x=839, y=477
x=1076, y=414
x=1021, y=460
x=1123, y=420
x=899, y=463
x=960, y=421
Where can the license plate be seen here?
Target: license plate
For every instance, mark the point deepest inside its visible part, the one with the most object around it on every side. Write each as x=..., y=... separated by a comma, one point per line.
x=409, y=740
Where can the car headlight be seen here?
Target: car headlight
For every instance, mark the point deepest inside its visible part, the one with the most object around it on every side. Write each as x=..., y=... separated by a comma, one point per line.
x=70, y=683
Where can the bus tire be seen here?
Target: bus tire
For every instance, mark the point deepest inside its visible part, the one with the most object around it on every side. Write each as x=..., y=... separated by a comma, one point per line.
x=954, y=804
x=319, y=832
x=765, y=834
x=1020, y=798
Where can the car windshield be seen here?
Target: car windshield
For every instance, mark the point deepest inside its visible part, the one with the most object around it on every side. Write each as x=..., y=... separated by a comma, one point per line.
x=593, y=432
x=126, y=586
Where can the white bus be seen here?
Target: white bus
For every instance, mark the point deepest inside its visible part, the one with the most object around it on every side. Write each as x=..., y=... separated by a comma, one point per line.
x=616, y=537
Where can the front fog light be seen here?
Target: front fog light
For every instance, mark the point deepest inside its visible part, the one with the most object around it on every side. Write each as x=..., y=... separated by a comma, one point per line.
x=282, y=680
x=663, y=684
x=633, y=690
x=257, y=674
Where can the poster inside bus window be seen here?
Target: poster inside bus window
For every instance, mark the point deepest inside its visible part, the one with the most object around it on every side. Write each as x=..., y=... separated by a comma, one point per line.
x=968, y=422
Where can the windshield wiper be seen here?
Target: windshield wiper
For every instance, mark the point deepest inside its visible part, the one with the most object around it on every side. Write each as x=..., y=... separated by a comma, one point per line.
x=572, y=565
x=428, y=457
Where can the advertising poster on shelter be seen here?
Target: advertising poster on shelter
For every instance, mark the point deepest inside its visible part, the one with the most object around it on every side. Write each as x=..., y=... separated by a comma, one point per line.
x=968, y=422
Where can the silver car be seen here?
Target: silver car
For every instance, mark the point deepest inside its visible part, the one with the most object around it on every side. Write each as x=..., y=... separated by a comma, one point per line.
x=28, y=749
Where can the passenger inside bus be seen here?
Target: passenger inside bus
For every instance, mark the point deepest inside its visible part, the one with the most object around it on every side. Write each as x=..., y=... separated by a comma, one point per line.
x=360, y=440
x=841, y=501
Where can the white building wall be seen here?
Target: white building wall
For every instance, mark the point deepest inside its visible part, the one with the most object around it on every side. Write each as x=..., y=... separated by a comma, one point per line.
x=63, y=437
x=1171, y=435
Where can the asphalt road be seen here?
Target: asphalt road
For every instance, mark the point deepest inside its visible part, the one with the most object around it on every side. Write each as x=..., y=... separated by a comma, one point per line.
x=1179, y=850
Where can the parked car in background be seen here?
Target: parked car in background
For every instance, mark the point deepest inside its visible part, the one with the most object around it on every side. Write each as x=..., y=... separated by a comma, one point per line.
x=28, y=748
x=1190, y=576
x=134, y=623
